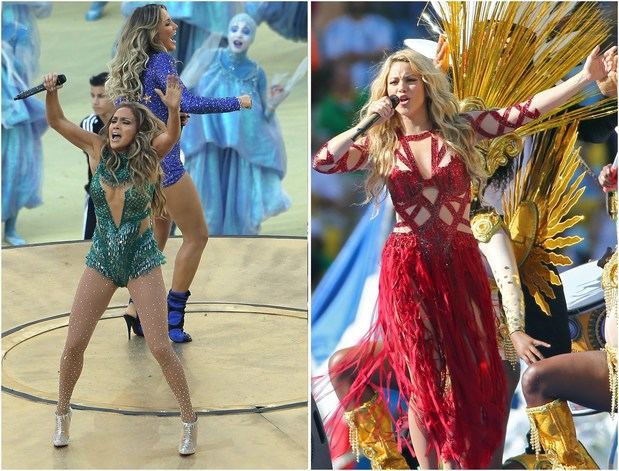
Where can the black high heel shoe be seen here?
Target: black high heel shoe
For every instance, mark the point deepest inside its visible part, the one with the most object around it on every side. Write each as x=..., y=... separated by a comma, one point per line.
x=133, y=323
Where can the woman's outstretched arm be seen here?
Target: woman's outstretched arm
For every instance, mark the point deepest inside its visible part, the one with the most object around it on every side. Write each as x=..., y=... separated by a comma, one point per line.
x=164, y=65
x=87, y=141
x=493, y=123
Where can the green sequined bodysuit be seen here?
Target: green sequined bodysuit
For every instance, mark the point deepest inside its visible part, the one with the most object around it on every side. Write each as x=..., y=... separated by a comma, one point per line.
x=120, y=252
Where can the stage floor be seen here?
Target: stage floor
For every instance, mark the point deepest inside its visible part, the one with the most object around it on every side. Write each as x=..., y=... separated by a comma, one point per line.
x=247, y=365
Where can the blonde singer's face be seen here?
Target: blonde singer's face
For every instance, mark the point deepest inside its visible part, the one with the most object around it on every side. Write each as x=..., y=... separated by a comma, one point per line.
x=408, y=87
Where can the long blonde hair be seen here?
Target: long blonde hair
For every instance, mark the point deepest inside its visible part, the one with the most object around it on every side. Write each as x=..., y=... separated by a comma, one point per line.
x=143, y=160
x=443, y=110
x=138, y=40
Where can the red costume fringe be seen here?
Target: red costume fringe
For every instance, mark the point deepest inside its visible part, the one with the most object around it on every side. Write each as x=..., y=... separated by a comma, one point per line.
x=445, y=361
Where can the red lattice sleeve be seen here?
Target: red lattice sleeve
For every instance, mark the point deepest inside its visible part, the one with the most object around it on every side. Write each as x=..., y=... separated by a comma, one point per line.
x=489, y=124
x=354, y=159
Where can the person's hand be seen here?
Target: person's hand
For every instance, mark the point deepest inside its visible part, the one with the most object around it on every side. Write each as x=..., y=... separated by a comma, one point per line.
x=526, y=347
x=598, y=66
x=608, y=86
x=608, y=178
x=184, y=118
x=49, y=80
x=277, y=94
x=172, y=96
x=441, y=60
x=383, y=108
x=245, y=101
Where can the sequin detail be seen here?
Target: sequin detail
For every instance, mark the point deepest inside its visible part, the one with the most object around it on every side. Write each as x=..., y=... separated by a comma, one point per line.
x=120, y=252
x=158, y=67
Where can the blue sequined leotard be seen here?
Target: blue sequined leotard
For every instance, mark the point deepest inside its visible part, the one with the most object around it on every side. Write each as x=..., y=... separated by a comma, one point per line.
x=158, y=67
x=120, y=252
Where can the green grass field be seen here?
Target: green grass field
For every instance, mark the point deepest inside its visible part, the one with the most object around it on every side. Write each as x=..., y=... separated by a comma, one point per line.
x=80, y=49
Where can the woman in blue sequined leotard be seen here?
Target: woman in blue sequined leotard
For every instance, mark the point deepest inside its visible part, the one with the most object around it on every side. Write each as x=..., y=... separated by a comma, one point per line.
x=142, y=63
x=125, y=190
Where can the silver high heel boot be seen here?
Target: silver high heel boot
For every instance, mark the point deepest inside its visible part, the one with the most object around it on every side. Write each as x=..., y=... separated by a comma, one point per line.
x=189, y=438
x=61, y=434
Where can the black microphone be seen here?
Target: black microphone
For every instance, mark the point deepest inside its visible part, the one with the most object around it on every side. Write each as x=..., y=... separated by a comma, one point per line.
x=370, y=121
x=39, y=88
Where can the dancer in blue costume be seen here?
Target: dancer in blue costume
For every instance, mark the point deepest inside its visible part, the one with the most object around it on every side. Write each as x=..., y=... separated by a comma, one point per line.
x=141, y=64
x=23, y=121
x=237, y=160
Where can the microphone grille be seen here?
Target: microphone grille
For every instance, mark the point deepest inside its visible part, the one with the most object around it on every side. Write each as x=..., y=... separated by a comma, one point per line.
x=394, y=100
x=62, y=79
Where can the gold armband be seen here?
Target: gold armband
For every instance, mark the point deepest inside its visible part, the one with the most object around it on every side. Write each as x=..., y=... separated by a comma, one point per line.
x=485, y=224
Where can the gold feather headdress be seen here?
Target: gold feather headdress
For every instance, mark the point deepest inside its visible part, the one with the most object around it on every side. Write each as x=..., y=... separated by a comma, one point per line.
x=503, y=53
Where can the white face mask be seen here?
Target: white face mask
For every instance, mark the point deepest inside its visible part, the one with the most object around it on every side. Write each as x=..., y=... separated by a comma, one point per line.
x=240, y=35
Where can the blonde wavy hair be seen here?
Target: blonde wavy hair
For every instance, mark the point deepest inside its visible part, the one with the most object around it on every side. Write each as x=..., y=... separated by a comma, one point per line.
x=443, y=110
x=143, y=160
x=138, y=39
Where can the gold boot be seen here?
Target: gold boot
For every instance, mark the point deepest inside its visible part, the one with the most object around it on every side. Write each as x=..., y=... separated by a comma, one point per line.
x=372, y=433
x=552, y=427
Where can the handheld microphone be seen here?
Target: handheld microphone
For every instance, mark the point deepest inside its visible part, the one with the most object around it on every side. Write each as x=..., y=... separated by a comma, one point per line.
x=370, y=121
x=39, y=88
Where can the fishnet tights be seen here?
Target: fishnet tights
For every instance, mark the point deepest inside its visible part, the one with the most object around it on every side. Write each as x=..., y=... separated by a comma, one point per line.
x=93, y=295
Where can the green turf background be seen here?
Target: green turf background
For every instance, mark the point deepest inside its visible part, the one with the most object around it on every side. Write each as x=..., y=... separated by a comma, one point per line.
x=80, y=49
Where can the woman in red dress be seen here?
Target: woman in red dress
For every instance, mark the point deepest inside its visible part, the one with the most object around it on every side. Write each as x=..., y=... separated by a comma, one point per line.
x=434, y=336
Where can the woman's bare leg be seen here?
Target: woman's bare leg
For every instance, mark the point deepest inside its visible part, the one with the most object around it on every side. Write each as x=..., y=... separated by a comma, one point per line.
x=342, y=380
x=92, y=297
x=148, y=293
x=161, y=230
x=183, y=205
x=511, y=376
x=420, y=441
x=545, y=380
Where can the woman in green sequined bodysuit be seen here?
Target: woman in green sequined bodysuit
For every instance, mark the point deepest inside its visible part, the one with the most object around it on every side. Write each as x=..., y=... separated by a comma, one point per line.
x=124, y=160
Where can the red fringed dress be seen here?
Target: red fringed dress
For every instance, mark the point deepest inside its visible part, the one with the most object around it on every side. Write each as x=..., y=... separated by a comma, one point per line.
x=435, y=316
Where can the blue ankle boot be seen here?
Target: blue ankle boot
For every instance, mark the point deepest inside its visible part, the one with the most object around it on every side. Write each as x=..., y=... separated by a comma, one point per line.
x=176, y=316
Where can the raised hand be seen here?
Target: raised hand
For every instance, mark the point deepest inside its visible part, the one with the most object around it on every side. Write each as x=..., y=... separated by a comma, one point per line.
x=277, y=94
x=49, y=80
x=608, y=86
x=172, y=96
x=441, y=60
x=598, y=66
